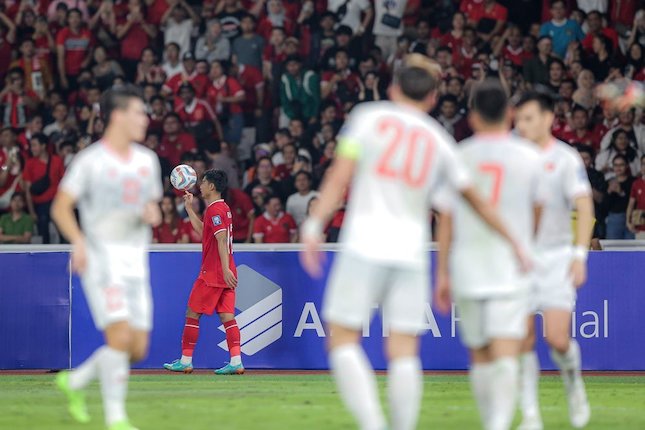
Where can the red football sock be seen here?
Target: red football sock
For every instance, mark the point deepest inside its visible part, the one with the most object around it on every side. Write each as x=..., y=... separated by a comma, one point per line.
x=189, y=338
x=232, y=337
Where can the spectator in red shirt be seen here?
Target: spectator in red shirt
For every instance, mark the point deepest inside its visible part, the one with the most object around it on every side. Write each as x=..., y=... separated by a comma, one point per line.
x=42, y=174
x=283, y=170
x=489, y=18
x=171, y=229
x=636, y=206
x=33, y=127
x=44, y=41
x=175, y=141
x=243, y=215
x=227, y=95
x=275, y=226
x=38, y=76
x=594, y=25
x=199, y=81
x=341, y=85
x=198, y=117
x=510, y=47
x=73, y=44
x=275, y=17
x=580, y=128
x=464, y=57
x=17, y=102
x=252, y=82
x=135, y=34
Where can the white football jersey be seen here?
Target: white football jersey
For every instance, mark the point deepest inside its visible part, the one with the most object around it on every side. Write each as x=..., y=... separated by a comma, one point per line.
x=111, y=193
x=506, y=170
x=403, y=157
x=565, y=180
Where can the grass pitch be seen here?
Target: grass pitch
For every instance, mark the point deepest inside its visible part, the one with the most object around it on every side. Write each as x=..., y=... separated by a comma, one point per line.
x=285, y=402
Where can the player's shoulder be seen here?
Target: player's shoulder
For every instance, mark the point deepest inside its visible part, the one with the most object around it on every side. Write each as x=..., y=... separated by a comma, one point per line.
x=144, y=153
x=93, y=153
x=566, y=152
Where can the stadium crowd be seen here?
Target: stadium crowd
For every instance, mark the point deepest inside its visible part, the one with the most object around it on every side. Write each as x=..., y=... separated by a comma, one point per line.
x=259, y=89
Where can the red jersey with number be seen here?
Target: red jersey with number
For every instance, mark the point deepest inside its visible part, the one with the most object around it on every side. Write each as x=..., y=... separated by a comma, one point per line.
x=218, y=219
x=77, y=47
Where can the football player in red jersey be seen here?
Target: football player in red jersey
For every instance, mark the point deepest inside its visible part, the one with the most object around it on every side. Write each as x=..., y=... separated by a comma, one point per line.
x=214, y=289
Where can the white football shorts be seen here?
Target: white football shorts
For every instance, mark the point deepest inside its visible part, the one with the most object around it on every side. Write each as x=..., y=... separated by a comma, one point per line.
x=482, y=320
x=357, y=286
x=117, y=287
x=553, y=286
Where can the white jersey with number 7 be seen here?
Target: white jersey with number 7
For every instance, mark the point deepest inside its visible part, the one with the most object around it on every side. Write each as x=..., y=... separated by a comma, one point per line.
x=507, y=171
x=403, y=157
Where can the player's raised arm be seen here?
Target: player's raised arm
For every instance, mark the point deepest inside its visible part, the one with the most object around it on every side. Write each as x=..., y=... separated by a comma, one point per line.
x=197, y=223
x=490, y=217
x=62, y=213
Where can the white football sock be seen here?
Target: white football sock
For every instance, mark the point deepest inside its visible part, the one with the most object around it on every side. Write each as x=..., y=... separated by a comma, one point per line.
x=405, y=388
x=357, y=385
x=114, y=370
x=236, y=360
x=503, y=392
x=568, y=363
x=479, y=374
x=529, y=380
x=186, y=360
x=80, y=377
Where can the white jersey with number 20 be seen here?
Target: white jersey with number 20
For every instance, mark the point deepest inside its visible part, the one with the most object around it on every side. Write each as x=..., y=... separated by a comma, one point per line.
x=403, y=157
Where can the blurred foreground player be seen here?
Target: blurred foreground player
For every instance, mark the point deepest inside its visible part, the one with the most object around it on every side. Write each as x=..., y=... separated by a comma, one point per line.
x=477, y=267
x=214, y=289
x=395, y=157
x=116, y=185
x=561, y=267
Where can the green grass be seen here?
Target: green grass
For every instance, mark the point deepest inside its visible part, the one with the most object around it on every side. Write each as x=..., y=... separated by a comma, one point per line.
x=285, y=402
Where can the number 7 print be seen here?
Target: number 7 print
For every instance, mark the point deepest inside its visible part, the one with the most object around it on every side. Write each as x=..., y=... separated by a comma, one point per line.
x=497, y=172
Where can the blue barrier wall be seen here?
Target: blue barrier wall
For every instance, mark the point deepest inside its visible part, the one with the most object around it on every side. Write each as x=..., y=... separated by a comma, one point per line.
x=279, y=315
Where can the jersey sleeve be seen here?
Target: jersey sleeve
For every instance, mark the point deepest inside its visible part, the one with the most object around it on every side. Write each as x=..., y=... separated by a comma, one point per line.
x=218, y=221
x=77, y=178
x=155, y=177
x=454, y=168
x=576, y=181
x=350, y=136
x=258, y=228
x=445, y=199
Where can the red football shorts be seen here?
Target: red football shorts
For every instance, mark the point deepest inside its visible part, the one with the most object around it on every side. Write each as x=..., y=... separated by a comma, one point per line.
x=206, y=300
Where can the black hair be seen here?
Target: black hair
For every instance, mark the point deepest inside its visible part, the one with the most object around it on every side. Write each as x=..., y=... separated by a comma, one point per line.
x=490, y=101
x=19, y=194
x=557, y=61
x=217, y=178
x=578, y=108
x=304, y=172
x=416, y=83
x=554, y=2
x=248, y=15
x=16, y=70
x=40, y=138
x=74, y=10
x=118, y=98
x=444, y=49
x=284, y=131
x=175, y=44
x=582, y=148
x=541, y=38
x=628, y=170
x=157, y=97
x=594, y=12
x=261, y=159
x=544, y=100
x=450, y=98
x=172, y=115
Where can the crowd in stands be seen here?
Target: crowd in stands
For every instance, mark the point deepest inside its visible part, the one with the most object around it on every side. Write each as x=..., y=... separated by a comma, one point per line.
x=260, y=89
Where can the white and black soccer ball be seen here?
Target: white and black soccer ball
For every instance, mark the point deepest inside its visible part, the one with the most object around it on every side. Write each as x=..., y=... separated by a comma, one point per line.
x=183, y=177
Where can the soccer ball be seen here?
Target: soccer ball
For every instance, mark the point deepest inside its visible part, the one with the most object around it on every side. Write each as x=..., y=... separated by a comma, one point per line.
x=183, y=177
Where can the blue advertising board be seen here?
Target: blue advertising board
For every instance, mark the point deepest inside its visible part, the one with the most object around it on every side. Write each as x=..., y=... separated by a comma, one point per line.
x=279, y=314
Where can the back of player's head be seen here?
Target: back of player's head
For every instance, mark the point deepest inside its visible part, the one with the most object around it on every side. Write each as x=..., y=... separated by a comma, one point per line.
x=418, y=77
x=489, y=101
x=545, y=101
x=218, y=178
x=118, y=99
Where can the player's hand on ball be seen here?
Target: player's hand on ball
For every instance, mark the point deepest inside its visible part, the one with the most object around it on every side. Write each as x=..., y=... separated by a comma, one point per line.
x=230, y=279
x=79, y=257
x=578, y=272
x=152, y=214
x=442, y=296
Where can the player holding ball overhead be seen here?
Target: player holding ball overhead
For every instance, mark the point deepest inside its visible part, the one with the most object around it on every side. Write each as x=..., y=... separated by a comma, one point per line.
x=214, y=289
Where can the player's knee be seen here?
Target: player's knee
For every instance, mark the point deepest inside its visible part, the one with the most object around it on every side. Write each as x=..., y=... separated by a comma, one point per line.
x=192, y=314
x=401, y=346
x=119, y=339
x=138, y=353
x=559, y=341
x=224, y=318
